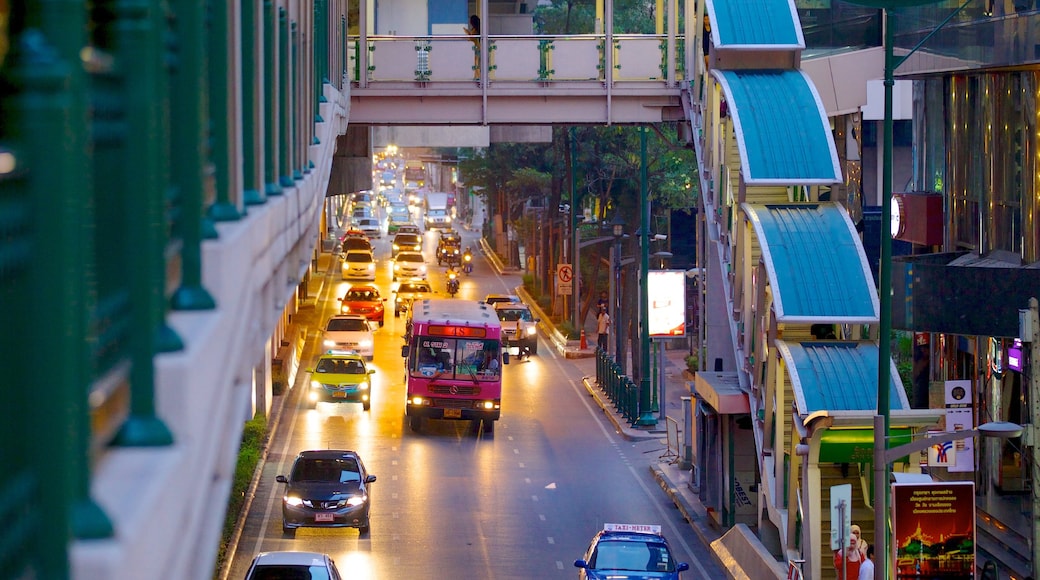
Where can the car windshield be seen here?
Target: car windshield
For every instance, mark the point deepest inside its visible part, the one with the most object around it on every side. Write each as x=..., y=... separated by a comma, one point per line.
x=409, y=257
x=340, y=366
x=637, y=556
x=289, y=572
x=407, y=240
x=347, y=324
x=356, y=244
x=360, y=295
x=359, y=257
x=514, y=315
x=334, y=470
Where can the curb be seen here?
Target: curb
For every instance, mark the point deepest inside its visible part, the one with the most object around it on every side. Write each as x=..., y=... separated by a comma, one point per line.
x=628, y=433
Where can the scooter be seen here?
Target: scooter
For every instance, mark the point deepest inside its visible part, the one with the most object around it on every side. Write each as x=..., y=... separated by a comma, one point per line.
x=467, y=263
x=453, y=283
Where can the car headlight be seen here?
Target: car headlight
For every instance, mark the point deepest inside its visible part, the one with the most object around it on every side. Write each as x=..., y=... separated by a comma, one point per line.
x=363, y=386
x=447, y=219
x=371, y=267
x=315, y=384
x=397, y=267
x=365, y=343
x=531, y=330
x=396, y=247
x=356, y=500
x=329, y=343
x=422, y=268
x=292, y=500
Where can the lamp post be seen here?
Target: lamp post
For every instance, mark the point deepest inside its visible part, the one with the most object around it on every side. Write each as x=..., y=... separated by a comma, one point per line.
x=617, y=228
x=881, y=420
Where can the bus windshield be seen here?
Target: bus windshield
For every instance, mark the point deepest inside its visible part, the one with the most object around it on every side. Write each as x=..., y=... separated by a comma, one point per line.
x=463, y=358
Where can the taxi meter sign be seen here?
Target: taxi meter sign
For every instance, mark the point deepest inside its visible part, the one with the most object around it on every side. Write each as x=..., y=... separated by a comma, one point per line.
x=564, y=279
x=633, y=528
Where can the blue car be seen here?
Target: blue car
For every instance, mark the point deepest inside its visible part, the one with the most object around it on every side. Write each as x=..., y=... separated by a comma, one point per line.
x=633, y=551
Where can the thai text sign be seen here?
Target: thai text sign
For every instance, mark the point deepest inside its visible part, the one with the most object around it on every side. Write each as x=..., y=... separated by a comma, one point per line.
x=934, y=529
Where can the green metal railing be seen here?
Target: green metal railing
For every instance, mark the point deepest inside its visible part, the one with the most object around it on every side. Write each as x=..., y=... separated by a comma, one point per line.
x=619, y=388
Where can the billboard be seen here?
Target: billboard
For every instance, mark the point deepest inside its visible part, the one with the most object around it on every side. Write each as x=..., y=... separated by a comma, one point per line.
x=933, y=529
x=666, y=302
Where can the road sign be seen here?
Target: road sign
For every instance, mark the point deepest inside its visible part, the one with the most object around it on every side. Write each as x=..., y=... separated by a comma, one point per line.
x=564, y=279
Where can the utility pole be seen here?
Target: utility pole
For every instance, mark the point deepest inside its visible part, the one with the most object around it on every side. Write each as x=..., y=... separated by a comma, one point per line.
x=646, y=416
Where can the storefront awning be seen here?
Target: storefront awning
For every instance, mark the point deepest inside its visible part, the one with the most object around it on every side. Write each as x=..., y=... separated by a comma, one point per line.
x=814, y=242
x=722, y=392
x=838, y=376
x=783, y=134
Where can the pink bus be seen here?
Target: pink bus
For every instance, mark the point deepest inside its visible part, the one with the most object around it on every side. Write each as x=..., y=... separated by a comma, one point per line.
x=453, y=363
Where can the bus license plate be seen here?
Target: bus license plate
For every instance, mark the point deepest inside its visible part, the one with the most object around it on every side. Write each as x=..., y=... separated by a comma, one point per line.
x=324, y=517
x=453, y=413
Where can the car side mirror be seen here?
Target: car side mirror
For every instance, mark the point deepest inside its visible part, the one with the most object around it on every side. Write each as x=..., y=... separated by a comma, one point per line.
x=581, y=564
x=682, y=567
x=281, y=479
x=371, y=371
x=310, y=370
x=370, y=478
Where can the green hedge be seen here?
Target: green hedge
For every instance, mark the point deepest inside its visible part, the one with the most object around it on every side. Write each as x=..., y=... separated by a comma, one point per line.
x=254, y=434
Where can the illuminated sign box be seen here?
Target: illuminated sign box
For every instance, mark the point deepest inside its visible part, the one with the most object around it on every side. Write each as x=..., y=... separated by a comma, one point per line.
x=666, y=298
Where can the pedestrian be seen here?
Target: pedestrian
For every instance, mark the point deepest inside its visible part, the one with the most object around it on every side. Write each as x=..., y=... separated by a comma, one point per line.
x=861, y=544
x=602, y=303
x=866, y=569
x=848, y=560
x=473, y=30
x=602, y=324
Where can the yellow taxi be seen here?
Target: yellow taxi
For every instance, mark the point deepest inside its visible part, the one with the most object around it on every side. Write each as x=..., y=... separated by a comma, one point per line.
x=341, y=377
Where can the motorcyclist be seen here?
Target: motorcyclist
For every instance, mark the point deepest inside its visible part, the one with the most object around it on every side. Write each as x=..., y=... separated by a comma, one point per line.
x=467, y=261
x=453, y=280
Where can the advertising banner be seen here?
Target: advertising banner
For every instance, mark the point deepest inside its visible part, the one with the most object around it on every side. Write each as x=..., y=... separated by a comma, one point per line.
x=933, y=529
x=666, y=298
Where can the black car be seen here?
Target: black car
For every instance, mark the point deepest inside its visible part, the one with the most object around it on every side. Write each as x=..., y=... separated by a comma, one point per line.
x=326, y=489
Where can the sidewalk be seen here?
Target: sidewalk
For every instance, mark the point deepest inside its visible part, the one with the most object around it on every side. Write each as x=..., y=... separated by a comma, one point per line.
x=673, y=480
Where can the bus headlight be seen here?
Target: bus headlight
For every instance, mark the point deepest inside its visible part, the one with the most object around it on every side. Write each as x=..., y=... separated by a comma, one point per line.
x=489, y=405
x=418, y=401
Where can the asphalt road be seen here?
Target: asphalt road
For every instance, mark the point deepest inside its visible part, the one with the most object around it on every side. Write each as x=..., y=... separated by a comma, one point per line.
x=521, y=502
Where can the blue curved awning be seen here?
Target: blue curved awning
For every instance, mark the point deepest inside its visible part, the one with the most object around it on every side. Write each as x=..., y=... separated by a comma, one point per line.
x=783, y=134
x=755, y=24
x=838, y=376
x=815, y=262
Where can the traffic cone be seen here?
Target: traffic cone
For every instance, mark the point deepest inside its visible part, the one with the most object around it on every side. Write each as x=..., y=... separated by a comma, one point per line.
x=582, y=343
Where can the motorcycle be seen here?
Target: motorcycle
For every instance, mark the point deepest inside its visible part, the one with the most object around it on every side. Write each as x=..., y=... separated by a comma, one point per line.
x=467, y=262
x=453, y=283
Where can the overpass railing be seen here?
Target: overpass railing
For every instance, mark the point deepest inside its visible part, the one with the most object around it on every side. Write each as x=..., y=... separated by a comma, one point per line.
x=516, y=58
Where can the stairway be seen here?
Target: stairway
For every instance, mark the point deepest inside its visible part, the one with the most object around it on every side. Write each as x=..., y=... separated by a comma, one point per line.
x=1001, y=541
x=862, y=514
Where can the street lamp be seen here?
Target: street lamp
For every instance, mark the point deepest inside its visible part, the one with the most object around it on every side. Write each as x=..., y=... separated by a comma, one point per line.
x=617, y=228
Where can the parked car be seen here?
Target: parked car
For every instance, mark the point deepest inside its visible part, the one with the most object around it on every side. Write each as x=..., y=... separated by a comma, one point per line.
x=278, y=565
x=326, y=489
x=340, y=376
x=408, y=292
x=409, y=265
x=363, y=299
x=359, y=264
x=620, y=551
x=349, y=332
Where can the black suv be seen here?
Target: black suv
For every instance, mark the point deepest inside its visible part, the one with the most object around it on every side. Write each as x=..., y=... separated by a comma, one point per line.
x=326, y=489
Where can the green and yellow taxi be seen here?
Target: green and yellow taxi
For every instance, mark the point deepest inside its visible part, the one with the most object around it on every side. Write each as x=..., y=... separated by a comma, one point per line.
x=341, y=377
